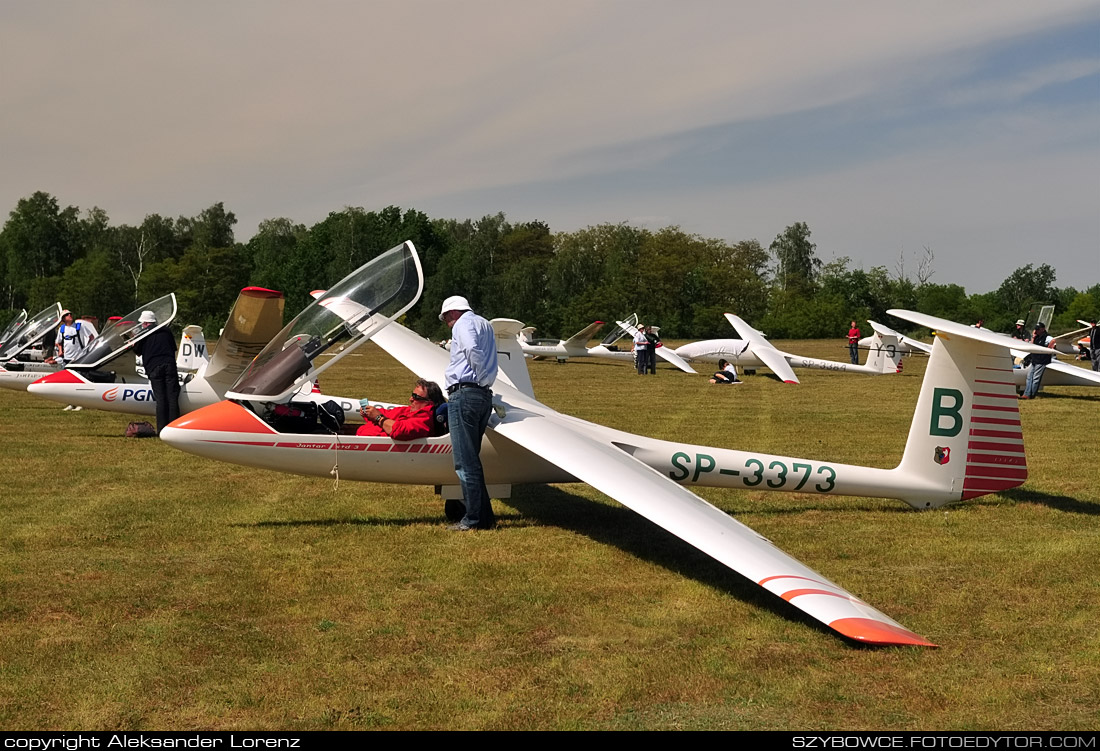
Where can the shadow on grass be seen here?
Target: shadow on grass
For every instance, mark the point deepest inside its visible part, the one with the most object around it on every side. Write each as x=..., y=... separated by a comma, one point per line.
x=1059, y=502
x=619, y=527
x=624, y=529
x=1053, y=396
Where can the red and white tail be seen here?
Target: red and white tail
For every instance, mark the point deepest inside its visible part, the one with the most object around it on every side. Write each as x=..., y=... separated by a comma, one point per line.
x=965, y=439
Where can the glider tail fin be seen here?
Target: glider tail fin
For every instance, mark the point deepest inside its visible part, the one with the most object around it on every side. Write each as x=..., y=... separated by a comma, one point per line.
x=885, y=351
x=510, y=360
x=192, y=351
x=965, y=439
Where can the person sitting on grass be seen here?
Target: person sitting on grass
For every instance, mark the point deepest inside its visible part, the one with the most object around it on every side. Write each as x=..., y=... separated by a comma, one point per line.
x=727, y=374
x=405, y=423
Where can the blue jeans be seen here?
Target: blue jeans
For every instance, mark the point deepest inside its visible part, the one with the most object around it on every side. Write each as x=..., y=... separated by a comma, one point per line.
x=1034, y=378
x=853, y=352
x=468, y=416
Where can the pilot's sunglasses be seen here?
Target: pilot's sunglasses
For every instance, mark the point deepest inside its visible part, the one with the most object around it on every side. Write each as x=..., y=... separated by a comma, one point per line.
x=419, y=398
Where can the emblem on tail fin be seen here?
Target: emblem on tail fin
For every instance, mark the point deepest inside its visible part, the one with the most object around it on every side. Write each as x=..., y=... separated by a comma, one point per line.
x=943, y=454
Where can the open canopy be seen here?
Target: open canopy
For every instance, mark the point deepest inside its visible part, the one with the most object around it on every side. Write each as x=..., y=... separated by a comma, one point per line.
x=121, y=336
x=350, y=312
x=13, y=325
x=619, y=332
x=30, y=332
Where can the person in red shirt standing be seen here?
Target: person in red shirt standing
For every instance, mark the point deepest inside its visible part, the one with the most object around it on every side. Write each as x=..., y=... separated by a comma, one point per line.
x=853, y=343
x=405, y=423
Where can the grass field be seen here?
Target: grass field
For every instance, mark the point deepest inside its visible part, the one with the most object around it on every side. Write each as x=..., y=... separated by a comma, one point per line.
x=142, y=588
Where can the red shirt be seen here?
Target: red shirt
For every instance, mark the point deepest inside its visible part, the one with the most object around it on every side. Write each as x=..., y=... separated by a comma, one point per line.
x=408, y=423
x=853, y=335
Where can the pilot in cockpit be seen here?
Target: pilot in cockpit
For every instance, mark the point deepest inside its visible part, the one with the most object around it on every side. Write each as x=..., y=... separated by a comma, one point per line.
x=418, y=420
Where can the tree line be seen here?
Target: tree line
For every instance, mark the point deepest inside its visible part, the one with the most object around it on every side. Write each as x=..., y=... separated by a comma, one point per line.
x=559, y=282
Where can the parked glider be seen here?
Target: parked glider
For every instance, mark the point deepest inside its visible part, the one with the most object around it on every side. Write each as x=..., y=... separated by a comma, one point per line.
x=17, y=369
x=1057, y=373
x=107, y=376
x=753, y=350
x=577, y=345
x=965, y=440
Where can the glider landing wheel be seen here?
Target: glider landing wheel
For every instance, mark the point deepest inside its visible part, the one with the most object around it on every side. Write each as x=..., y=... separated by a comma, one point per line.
x=454, y=510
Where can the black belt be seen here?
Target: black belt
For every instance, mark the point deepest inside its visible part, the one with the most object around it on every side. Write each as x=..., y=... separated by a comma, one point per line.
x=466, y=385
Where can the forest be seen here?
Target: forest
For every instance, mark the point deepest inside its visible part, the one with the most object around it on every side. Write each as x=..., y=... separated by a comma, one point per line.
x=556, y=281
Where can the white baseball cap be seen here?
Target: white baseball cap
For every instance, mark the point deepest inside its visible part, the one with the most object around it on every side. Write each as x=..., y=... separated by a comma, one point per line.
x=454, y=302
x=147, y=316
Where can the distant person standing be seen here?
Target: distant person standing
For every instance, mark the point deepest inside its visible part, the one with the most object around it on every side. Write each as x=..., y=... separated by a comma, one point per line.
x=651, y=353
x=72, y=337
x=853, y=343
x=158, y=356
x=468, y=379
x=641, y=349
x=1037, y=364
x=1094, y=346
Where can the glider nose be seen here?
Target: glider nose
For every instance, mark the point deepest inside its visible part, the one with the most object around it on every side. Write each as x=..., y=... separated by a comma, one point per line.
x=223, y=417
x=55, y=383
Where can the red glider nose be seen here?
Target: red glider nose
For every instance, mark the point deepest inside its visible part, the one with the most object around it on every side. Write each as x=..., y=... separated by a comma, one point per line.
x=223, y=417
x=61, y=376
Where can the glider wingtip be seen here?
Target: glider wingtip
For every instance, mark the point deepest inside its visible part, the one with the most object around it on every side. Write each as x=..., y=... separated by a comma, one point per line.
x=877, y=633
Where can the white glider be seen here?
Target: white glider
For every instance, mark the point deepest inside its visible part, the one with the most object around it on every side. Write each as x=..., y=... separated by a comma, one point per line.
x=754, y=350
x=965, y=441
x=107, y=376
x=17, y=370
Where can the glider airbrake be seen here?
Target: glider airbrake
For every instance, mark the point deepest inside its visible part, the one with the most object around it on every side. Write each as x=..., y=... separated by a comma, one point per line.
x=106, y=375
x=754, y=350
x=965, y=439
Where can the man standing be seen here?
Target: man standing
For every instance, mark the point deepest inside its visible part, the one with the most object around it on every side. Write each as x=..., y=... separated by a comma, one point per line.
x=158, y=356
x=468, y=379
x=641, y=350
x=1094, y=346
x=1038, y=363
x=853, y=344
x=72, y=338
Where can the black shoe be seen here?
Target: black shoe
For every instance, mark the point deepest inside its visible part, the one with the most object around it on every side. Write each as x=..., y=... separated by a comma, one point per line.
x=454, y=510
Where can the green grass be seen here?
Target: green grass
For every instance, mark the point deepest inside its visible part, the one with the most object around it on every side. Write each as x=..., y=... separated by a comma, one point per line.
x=144, y=588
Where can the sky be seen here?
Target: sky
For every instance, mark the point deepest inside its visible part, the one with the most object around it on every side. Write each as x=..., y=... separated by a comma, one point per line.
x=970, y=129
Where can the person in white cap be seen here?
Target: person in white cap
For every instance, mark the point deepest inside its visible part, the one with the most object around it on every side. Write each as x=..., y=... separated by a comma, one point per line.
x=158, y=356
x=72, y=338
x=1020, y=331
x=468, y=381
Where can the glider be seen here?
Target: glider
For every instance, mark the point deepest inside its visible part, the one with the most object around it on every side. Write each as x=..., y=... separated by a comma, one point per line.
x=20, y=336
x=754, y=350
x=577, y=345
x=1057, y=373
x=965, y=440
x=107, y=376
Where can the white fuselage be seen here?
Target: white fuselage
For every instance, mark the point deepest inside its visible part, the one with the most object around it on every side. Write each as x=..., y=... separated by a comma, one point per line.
x=229, y=432
x=136, y=396
x=18, y=375
x=740, y=353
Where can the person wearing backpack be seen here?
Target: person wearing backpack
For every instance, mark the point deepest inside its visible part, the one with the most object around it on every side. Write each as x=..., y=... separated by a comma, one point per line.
x=72, y=338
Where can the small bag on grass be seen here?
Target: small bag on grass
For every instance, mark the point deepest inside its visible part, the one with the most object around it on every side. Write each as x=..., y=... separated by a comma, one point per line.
x=140, y=429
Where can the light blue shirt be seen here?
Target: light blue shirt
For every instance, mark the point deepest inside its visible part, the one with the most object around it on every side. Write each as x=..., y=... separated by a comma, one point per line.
x=473, y=352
